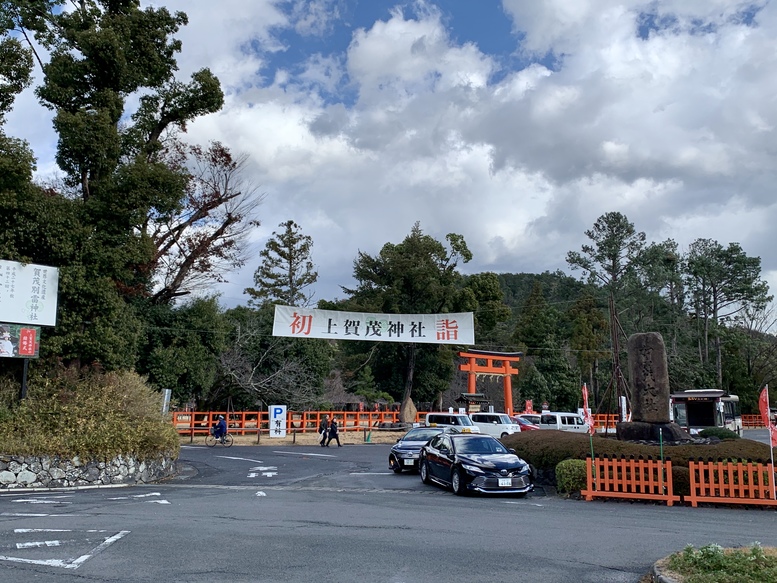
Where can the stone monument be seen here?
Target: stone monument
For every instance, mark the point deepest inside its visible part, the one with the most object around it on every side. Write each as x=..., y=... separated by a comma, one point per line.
x=649, y=380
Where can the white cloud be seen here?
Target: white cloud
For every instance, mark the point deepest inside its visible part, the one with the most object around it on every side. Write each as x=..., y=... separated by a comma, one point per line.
x=675, y=128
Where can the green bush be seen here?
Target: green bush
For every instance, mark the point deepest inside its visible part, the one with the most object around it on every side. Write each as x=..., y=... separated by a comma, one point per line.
x=719, y=432
x=547, y=448
x=681, y=480
x=571, y=476
x=99, y=416
x=712, y=564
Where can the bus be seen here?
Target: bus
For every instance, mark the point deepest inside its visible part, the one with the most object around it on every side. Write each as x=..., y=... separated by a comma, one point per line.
x=699, y=409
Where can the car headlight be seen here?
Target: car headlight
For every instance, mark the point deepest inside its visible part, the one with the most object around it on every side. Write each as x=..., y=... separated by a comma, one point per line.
x=472, y=469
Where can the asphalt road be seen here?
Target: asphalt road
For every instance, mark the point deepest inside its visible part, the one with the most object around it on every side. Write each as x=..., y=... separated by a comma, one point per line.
x=302, y=513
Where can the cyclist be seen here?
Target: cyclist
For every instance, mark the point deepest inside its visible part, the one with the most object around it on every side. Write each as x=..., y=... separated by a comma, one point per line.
x=220, y=430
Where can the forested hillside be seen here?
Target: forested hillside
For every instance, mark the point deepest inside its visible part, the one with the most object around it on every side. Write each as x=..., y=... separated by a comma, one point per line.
x=142, y=222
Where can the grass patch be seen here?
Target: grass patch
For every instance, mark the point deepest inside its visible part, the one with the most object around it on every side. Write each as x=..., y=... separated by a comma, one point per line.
x=714, y=564
x=92, y=416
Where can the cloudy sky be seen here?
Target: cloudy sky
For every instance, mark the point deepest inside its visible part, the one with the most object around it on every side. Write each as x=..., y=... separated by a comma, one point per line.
x=515, y=123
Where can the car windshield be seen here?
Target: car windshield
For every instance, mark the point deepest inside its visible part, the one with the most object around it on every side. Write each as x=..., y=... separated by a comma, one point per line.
x=479, y=445
x=505, y=420
x=521, y=421
x=464, y=420
x=420, y=434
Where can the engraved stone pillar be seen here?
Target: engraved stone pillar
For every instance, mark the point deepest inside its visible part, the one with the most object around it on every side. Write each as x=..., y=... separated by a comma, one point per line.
x=649, y=378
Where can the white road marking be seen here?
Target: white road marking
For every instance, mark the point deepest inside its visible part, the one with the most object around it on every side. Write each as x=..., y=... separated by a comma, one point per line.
x=21, y=530
x=371, y=473
x=307, y=454
x=245, y=459
x=68, y=563
x=99, y=548
x=40, y=543
x=37, y=515
x=263, y=468
x=269, y=474
x=158, y=501
x=252, y=475
x=523, y=503
x=39, y=501
x=261, y=494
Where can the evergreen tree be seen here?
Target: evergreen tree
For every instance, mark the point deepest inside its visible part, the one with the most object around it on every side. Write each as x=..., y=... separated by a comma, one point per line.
x=417, y=276
x=286, y=269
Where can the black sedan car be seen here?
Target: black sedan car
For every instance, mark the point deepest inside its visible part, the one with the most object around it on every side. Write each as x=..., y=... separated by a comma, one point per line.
x=474, y=462
x=404, y=453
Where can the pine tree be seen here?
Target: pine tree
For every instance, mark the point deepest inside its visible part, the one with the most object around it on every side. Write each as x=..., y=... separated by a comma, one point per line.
x=286, y=269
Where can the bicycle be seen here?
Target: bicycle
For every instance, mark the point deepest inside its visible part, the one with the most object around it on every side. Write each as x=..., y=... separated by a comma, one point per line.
x=225, y=440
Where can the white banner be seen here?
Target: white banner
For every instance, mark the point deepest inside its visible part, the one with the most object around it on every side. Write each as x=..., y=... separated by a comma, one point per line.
x=28, y=293
x=333, y=325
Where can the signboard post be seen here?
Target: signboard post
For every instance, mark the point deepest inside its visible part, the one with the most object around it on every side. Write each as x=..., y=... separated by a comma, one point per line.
x=28, y=300
x=277, y=420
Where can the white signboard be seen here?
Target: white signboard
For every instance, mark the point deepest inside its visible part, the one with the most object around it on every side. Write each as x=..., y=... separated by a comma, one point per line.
x=28, y=293
x=277, y=420
x=332, y=325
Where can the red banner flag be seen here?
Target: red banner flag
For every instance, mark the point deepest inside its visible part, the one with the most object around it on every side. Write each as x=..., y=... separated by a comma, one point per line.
x=763, y=406
x=587, y=417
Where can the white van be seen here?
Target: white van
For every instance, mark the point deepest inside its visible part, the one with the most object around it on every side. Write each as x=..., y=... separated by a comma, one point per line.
x=458, y=421
x=496, y=424
x=563, y=422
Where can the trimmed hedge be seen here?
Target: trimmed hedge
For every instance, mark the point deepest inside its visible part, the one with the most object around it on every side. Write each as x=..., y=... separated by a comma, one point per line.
x=547, y=448
x=571, y=476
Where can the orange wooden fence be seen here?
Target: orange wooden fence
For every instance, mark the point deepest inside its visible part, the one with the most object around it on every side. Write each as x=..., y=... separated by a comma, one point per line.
x=752, y=421
x=731, y=482
x=610, y=419
x=249, y=422
x=642, y=479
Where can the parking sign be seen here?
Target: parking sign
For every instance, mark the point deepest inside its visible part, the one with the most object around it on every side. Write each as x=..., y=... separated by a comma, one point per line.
x=277, y=420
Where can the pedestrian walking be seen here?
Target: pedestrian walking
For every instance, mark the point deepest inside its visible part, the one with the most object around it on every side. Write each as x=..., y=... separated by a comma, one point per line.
x=323, y=427
x=333, y=433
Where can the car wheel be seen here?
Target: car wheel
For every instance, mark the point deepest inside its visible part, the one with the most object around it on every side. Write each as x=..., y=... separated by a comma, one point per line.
x=396, y=466
x=505, y=435
x=457, y=482
x=424, y=470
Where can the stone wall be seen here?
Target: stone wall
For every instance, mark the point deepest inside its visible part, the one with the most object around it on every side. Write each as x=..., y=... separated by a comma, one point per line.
x=54, y=472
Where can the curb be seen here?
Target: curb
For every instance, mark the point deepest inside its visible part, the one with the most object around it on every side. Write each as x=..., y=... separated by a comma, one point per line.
x=659, y=575
x=23, y=490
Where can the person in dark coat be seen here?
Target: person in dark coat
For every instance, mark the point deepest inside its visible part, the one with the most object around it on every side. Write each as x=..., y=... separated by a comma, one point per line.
x=323, y=430
x=333, y=433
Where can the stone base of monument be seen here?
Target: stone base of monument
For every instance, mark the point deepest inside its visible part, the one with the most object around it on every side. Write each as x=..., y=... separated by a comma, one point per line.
x=644, y=431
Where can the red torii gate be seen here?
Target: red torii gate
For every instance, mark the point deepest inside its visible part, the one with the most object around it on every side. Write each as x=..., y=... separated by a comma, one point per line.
x=502, y=364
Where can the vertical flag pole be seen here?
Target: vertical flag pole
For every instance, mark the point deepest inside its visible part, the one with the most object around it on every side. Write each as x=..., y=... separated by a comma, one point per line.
x=771, y=444
x=766, y=417
x=591, y=429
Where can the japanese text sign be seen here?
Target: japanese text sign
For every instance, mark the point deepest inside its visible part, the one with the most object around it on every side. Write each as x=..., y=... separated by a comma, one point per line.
x=333, y=325
x=28, y=293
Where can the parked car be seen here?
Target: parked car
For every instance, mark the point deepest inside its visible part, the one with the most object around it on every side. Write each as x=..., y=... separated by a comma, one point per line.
x=404, y=453
x=563, y=422
x=525, y=424
x=474, y=463
x=496, y=424
x=533, y=418
x=457, y=420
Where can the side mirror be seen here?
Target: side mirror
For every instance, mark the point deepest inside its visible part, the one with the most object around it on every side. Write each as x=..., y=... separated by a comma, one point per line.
x=511, y=450
x=399, y=439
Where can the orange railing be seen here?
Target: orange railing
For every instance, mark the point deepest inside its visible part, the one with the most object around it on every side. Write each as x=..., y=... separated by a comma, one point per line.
x=641, y=479
x=752, y=422
x=731, y=483
x=249, y=422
